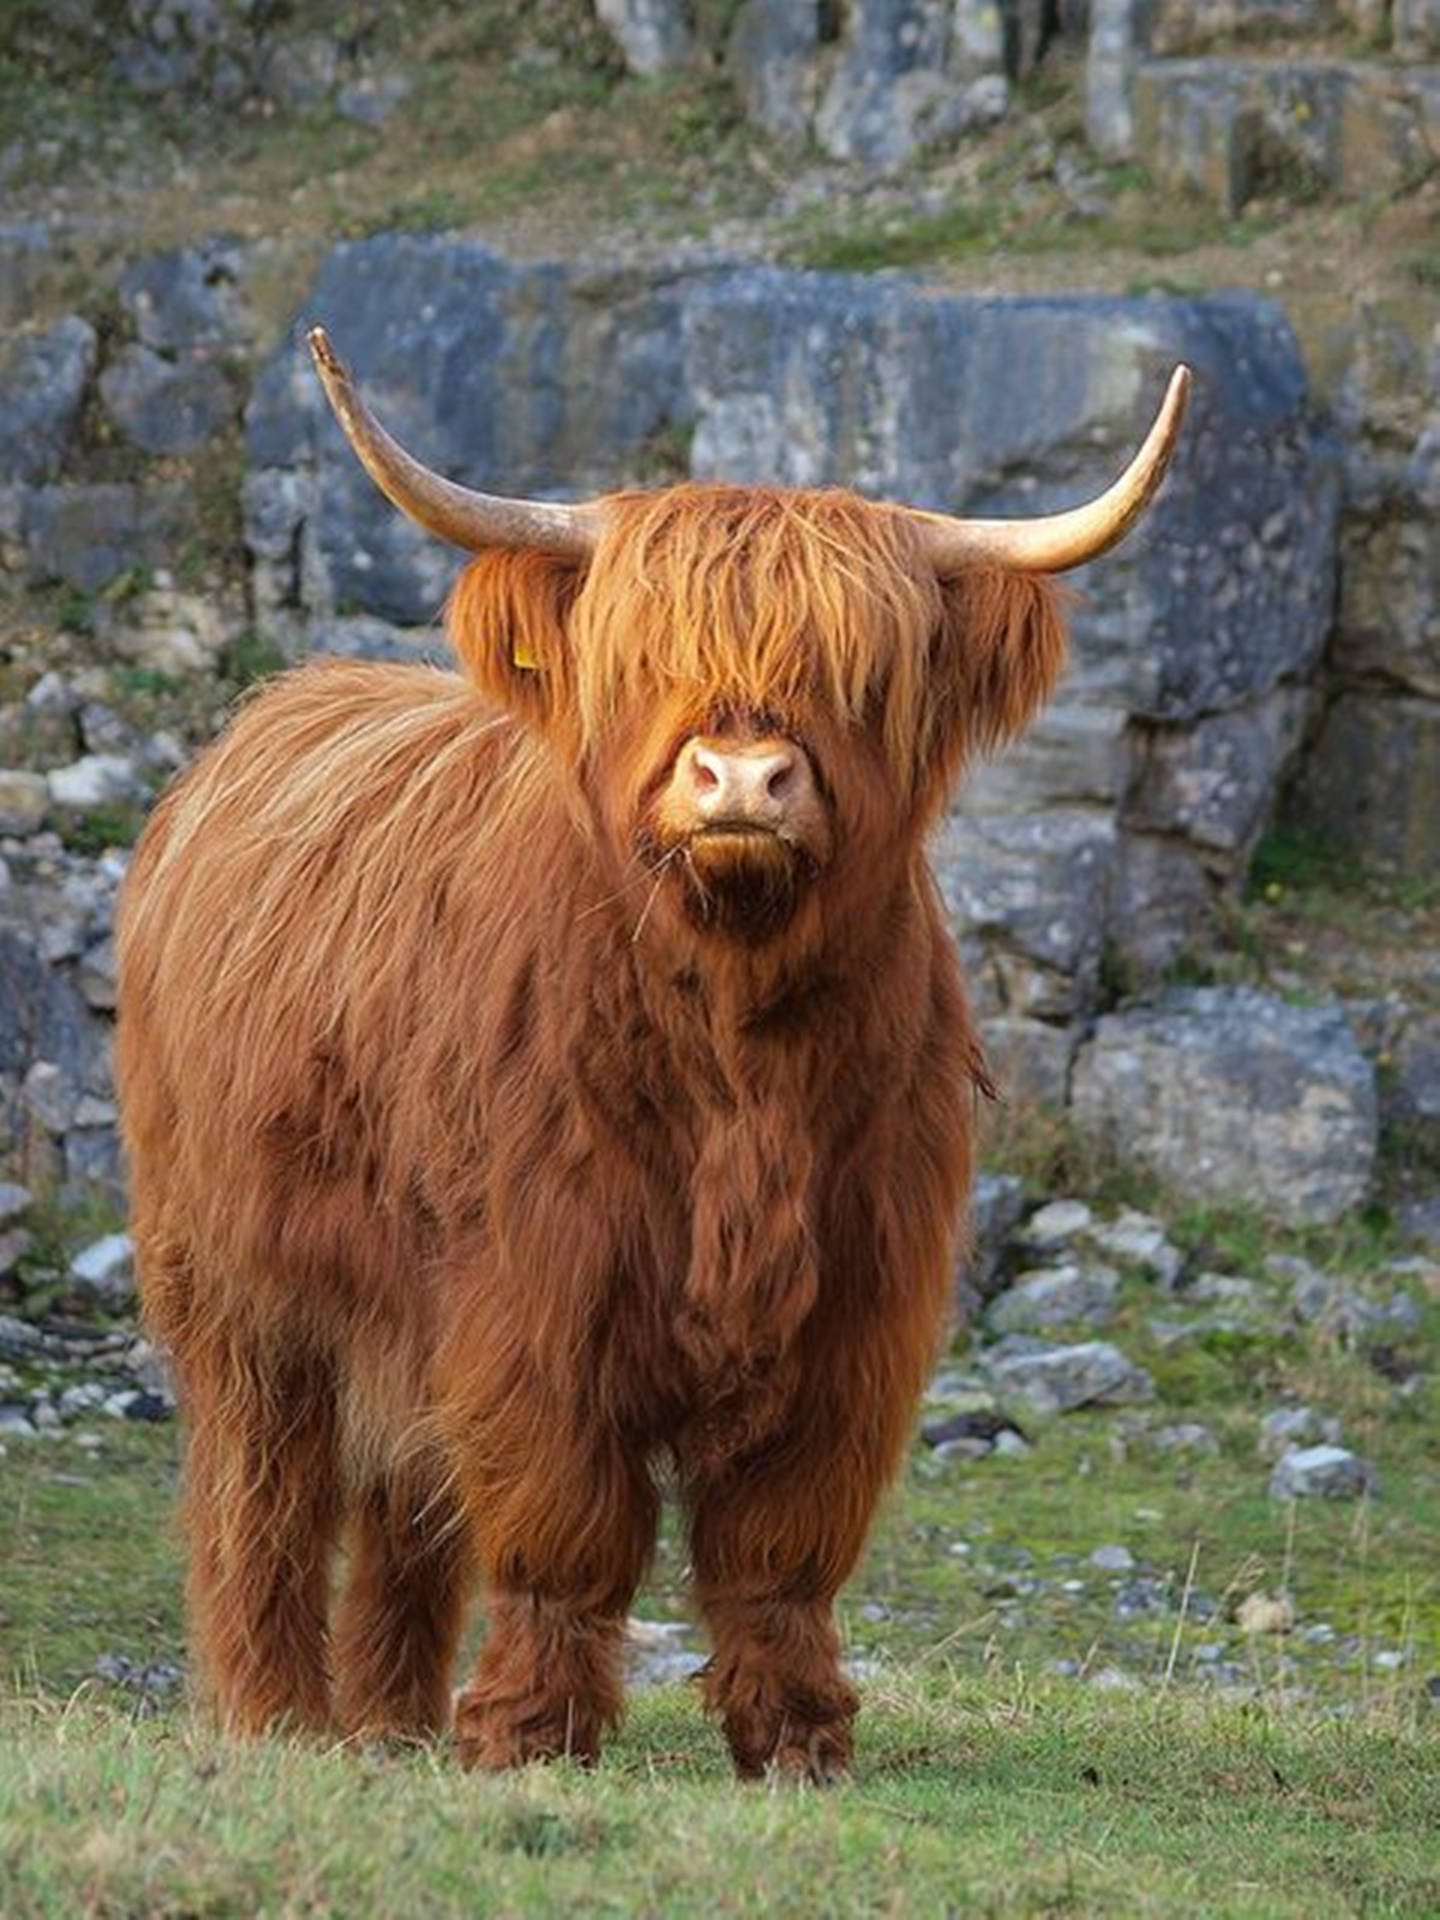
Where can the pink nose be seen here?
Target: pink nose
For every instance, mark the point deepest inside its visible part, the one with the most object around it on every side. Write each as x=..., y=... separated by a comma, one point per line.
x=753, y=782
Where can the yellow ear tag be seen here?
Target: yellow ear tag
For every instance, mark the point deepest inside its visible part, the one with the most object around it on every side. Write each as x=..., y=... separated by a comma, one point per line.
x=524, y=658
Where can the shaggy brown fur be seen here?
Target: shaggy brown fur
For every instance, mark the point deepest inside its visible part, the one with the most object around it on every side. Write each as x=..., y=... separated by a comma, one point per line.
x=475, y=1175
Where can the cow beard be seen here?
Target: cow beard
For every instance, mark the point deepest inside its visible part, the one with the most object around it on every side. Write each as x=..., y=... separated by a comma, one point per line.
x=741, y=882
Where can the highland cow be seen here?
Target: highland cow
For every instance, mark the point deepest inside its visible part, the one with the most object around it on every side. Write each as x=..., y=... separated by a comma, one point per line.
x=548, y=1077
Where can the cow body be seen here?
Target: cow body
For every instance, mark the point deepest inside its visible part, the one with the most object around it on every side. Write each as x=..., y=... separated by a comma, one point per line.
x=501, y=1137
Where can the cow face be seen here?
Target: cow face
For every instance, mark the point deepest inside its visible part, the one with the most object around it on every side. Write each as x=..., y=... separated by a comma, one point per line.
x=759, y=694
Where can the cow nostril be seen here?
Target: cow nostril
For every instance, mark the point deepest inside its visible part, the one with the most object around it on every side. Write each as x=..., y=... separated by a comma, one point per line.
x=705, y=779
x=779, y=779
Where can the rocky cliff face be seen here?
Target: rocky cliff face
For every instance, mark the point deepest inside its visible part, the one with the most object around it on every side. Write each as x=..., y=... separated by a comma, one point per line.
x=1269, y=642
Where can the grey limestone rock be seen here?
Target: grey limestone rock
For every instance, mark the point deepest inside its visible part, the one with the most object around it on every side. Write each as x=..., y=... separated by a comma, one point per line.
x=1119, y=39
x=166, y=406
x=89, y=534
x=190, y=297
x=875, y=83
x=1327, y=1472
x=1235, y=129
x=1058, y=1379
x=43, y=377
x=1055, y=1297
x=104, y=1272
x=1139, y=1240
x=1370, y=783
x=1288, y=1429
x=1416, y=26
x=1034, y=889
x=24, y=801
x=1230, y=1094
x=654, y=35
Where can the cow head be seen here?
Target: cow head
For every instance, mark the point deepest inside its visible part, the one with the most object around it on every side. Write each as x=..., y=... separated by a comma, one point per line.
x=763, y=695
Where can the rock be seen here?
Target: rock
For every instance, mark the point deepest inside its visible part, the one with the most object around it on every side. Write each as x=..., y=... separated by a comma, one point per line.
x=1029, y=1060
x=372, y=98
x=97, y=780
x=1185, y=1436
x=190, y=297
x=25, y=261
x=1258, y=1613
x=43, y=377
x=653, y=34
x=1031, y=895
x=1057, y=1379
x=1113, y=1559
x=166, y=406
x=15, y=1423
x=1370, y=784
x=1137, y=1239
x=24, y=801
x=1234, y=129
x=1416, y=25
x=1117, y=45
x=1069, y=756
x=1323, y=1302
x=1058, y=1297
x=1230, y=1094
x=1328, y=1472
x=996, y=1206
x=15, y=1201
x=1054, y=1224
x=874, y=83
x=978, y=1423
x=1414, y=1093
x=362, y=637
x=172, y=632
x=88, y=535
x=1214, y=782
x=104, y=1272
x=1289, y=1428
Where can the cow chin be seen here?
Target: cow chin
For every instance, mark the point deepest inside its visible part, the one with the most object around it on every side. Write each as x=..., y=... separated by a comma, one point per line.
x=742, y=883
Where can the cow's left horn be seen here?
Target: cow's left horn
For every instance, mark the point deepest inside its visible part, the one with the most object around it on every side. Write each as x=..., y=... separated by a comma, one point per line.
x=1058, y=541
x=465, y=518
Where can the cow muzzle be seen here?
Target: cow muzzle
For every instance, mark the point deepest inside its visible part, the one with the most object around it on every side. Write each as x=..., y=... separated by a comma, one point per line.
x=761, y=787
x=752, y=825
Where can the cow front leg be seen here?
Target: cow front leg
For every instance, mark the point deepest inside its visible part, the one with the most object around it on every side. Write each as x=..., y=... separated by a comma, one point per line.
x=564, y=1549
x=770, y=1551
x=775, y=1681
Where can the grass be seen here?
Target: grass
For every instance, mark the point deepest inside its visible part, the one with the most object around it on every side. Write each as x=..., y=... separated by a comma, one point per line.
x=986, y=1779
x=1002, y=1801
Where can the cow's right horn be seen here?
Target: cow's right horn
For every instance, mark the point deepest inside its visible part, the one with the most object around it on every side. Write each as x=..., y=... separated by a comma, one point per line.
x=457, y=514
x=1054, y=542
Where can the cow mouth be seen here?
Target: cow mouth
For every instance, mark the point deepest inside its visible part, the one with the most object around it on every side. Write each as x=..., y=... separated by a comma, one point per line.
x=740, y=878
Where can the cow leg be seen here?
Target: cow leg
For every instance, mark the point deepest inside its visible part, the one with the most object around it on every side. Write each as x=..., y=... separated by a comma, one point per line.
x=565, y=1549
x=401, y=1612
x=765, y=1580
x=262, y=1505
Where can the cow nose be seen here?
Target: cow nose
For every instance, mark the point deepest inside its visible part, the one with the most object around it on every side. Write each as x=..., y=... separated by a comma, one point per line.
x=756, y=781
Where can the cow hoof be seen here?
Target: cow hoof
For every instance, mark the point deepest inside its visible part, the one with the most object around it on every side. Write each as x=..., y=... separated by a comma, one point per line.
x=491, y=1737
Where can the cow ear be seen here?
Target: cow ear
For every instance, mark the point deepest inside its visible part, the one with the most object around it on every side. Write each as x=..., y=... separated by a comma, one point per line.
x=998, y=653
x=508, y=619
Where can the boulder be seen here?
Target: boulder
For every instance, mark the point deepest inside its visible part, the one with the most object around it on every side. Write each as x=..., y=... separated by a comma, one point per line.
x=1058, y=1379
x=166, y=406
x=1232, y=1095
x=1370, y=784
x=43, y=377
x=654, y=35
x=1326, y=1472
x=190, y=297
x=1234, y=130
x=1056, y=1297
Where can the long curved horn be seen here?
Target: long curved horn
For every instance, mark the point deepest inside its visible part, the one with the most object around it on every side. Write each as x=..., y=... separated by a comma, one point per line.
x=1055, y=542
x=465, y=518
